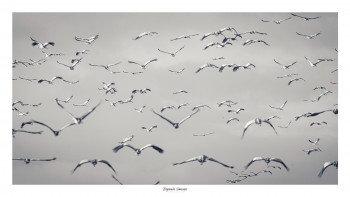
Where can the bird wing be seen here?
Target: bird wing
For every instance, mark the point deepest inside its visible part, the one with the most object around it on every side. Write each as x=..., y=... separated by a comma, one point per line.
x=297, y=15
x=149, y=61
x=164, y=52
x=325, y=166
x=269, y=123
x=252, y=161
x=212, y=159
x=62, y=64
x=117, y=180
x=183, y=120
x=301, y=34
x=277, y=62
x=132, y=62
x=283, y=104
x=152, y=146
x=108, y=164
x=133, y=148
x=44, y=159
x=79, y=164
x=247, y=126
x=179, y=49
x=172, y=123
x=89, y=112
x=189, y=160
x=59, y=104
x=43, y=124
x=291, y=81
x=96, y=65
x=281, y=162
x=68, y=125
x=117, y=148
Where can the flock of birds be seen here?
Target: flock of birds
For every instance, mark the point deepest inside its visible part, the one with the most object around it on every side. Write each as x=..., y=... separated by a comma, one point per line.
x=109, y=88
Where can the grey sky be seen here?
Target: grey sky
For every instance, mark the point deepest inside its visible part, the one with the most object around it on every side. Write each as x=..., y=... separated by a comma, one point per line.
x=253, y=89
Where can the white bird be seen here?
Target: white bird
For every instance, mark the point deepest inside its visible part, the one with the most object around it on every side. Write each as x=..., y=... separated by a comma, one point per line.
x=55, y=132
x=309, y=151
x=259, y=121
x=285, y=66
x=315, y=142
x=267, y=160
x=82, y=104
x=87, y=40
x=133, y=73
x=143, y=66
x=288, y=75
x=279, y=108
x=138, y=151
x=180, y=91
x=177, y=72
x=150, y=129
x=41, y=45
x=286, y=125
x=235, y=112
x=202, y=159
x=31, y=80
x=79, y=120
x=172, y=54
x=309, y=36
x=309, y=114
x=112, y=103
x=14, y=131
x=321, y=95
x=64, y=101
x=107, y=67
x=182, y=105
x=167, y=107
x=228, y=103
x=295, y=79
x=141, y=109
x=226, y=65
x=184, y=36
x=206, y=66
x=208, y=34
x=176, y=124
x=33, y=62
x=326, y=165
x=128, y=100
x=145, y=34
x=231, y=119
x=128, y=139
x=94, y=163
x=278, y=21
x=81, y=52
x=248, y=42
x=107, y=88
x=210, y=45
x=47, y=55
x=25, y=104
x=74, y=62
x=205, y=134
x=238, y=67
x=318, y=61
x=305, y=18
x=222, y=45
x=200, y=106
x=54, y=78
x=317, y=123
x=28, y=160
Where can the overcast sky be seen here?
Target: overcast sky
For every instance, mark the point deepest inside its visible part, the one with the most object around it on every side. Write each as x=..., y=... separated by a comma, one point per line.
x=254, y=89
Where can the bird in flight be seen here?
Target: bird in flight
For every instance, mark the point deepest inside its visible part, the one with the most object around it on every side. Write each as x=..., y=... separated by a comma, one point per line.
x=94, y=163
x=320, y=87
x=326, y=165
x=205, y=134
x=318, y=61
x=248, y=42
x=167, y=107
x=228, y=103
x=55, y=132
x=226, y=65
x=143, y=66
x=19, y=112
x=267, y=160
x=150, y=129
x=218, y=58
x=128, y=100
x=128, y=139
x=285, y=66
x=184, y=36
x=141, y=109
x=87, y=40
x=177, y=72
x=25, y=104
x=309, y=114
x=315, y=142
x=279, y=108
x=83, y=104
x=305, y=18
x=107, y=67
x=284, y=127
x=200, y=106
x=231, y=119
x=81, y=52
x=133, y=73
x=54, y=78
x=274, y=167
x=295, y=79
x=28, y=160
x=309, y=36
x=278, y=21
x=74, y=63
x=309, y=151
x=145, y=34
x=236, y=111
x=142, y=91
x=206, y=66
x=202, y=159
x=317, y=123
x=321, y=95
x=182, y=105
x=43, y=45
x=30, y=80
x=14, y=131
x=259, y=121
x=47, y=55
x=172, y=54
x=79, y=120
x=238, y=67
x=209, y=34
x=138, y=151
x=180, y=91
x=175, y=124
x=64, y=101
